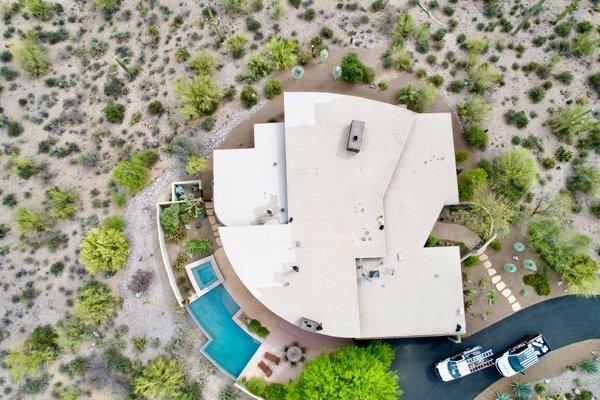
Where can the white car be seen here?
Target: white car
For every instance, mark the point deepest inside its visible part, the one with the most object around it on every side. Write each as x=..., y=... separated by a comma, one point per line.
x=463, y=364
x=522, y=355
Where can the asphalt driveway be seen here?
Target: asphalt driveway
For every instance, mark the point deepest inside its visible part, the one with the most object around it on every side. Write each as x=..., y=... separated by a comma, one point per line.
x=562, y=321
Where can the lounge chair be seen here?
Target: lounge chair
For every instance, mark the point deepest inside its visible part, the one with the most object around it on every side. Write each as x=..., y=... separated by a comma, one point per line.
x=272, y=358
x=264, y=368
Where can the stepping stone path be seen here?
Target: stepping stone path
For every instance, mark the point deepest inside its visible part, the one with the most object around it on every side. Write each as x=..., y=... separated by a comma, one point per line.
x=500, y=286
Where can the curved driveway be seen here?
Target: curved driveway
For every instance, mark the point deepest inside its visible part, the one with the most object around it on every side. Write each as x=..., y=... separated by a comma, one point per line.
x=562, y=321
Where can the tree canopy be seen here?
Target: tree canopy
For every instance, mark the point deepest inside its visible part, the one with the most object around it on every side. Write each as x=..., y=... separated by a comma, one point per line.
x=349, y=373
x=35, y=353
x=514, y=174
x=160, y=379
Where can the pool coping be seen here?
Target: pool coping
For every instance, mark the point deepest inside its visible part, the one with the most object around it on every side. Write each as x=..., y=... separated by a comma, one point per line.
x=199, y=291
x=210, y=339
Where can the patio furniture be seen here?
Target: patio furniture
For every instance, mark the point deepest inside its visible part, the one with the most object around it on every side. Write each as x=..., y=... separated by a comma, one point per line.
x=294, y=354
x=518, y=246
x=530, y=265
x=293, y=364
x=510, y=267
x=303, y=359
x=285, y=349
x=272, y=358
x=264, y=368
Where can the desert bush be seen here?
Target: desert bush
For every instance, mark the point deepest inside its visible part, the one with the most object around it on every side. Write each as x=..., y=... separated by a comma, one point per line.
x=195, y=164
x=199, y=96
x=470, y=181
x=161, y=378
x=182, y=54
x=481, y=76
x=563, y=155
x=236, y=45
x=235, y=6
x=473, y=111
x=404, y=26
x=30, y=55
x=40, y=9
x=476, y=136
x=571, y=121
x=203, y=63
x=272, y=88
x=114, y=113
x=536, y=94
x=169, y=217
x=63, y=203
x=595, y=208
x=25, y=167
x=132, y=174
x=282, y=52
x=255, y=385
x=29, y=221
x=141, y=281
x=518, y=118
x=95, y=304
x=539, y=282
x=584, y=44
x=276, y=9
x=590, y=366
x=477, y=45
x=104, y=249
x=39, y=350
x=514, y=174
x=470, y=261
x=155, y=108
x=354, y=71
x=71, y=332
x=584, y=179
x=461, y=156
x=417, y=98
x=107, y=6
x=594, y=82
x=248, y=96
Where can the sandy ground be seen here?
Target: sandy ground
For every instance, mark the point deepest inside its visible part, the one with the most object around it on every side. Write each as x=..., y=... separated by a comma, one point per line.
x=75, y=111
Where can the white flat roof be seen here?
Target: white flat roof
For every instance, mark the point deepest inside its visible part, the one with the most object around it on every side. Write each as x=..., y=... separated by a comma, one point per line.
x=404, y=172
x=248, y=183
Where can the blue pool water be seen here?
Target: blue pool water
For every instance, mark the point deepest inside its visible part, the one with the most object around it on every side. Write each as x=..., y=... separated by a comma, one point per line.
x=231, y=347
x=204, y=274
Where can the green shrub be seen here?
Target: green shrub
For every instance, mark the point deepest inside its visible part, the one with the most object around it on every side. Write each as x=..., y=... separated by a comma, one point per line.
x=35, y=353
x=30, y=55
x=548, y=162
x=95, y=304
x=470, y=181
x=590, y=366
x=236, y=45
x=584, y=43
x=496, y=245
x=584, y=179
x=249, y=96
x=476, y=136
x=114, y=113
x=272, y=88
x=473, y=111
x=161, y=378
x=255, y=385
x=235, y=6
x=72, y=333
x=104, y=249
x=276, y=391
x=195, y=165
x=536, y=94
x=29, y=221
x=326, y=32
x=431, y=241
x=282, y=53
x=169, y=217
x=594, y=82
x=470, y=261
x=14, y=129
x=481, y=76
x=199, y=96
x=417, y=98
x=132, y=174
x=155, y=108
x=571, y=121
x=40, y=9
x=203, y=63
x=539, y=282
x=514, y=174
x=461, y=156
x=354, y=71
x=518, y=118
x=63, y=203
x=198, y=246
x=344, y=372
x=595, y=208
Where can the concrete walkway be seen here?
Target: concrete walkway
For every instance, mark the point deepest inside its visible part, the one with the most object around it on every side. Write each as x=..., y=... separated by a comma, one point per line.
x=563, y=321
x=455, y=233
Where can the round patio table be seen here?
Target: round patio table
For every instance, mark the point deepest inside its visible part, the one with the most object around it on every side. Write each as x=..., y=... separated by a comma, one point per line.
x=518, y=246
x=294, y=354
x=530, y=265
x=510, y=267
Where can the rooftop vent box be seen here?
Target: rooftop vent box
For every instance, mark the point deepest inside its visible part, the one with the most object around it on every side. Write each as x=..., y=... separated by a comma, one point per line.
x=355, y=136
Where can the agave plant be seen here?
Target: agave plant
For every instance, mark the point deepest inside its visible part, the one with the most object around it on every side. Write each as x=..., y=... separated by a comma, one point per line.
x=502, y=396
x=522, y=390
x=590, y=366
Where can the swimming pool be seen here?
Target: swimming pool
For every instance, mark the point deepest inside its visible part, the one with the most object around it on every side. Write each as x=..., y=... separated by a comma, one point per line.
x=229, y=346
x=204, y=274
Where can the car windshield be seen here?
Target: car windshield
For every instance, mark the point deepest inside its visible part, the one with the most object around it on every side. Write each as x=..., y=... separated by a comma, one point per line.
x=515, y=363
x=453, y=369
